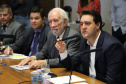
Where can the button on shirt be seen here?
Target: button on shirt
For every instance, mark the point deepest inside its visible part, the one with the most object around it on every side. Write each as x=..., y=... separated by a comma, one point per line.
x=92, y=71
x=118, y=15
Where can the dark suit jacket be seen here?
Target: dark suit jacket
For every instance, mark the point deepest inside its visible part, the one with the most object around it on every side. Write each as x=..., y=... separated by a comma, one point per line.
x=14, y=28
x=109, y=62
x=24, y=44
x=48, y=49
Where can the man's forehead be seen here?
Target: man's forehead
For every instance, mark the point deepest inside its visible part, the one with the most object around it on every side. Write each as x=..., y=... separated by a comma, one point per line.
x=35, y=14
x=87, y=18
x=4, y=10
x=54, y=17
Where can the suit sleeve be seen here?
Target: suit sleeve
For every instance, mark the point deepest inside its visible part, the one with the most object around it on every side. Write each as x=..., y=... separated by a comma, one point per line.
x=72, y=47
x=20, y=42
x=114, y=58
x=19, y=32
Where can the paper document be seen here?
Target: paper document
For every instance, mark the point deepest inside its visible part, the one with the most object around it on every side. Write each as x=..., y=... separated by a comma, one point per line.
x=14, y=56
x=20, y=67
x=65, y=79
x=81, y=83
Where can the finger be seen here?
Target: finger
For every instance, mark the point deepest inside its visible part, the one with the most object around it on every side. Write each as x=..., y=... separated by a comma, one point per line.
x=31, y=66
x=58, y=45
x=59, y=39
x=29, y=63
x=23, y=62
x=20, y=63
x=11, y=52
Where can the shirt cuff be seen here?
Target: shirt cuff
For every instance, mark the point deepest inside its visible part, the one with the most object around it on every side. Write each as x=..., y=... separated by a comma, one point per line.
x=63, y=55
x=3, y=46
x=34, y=57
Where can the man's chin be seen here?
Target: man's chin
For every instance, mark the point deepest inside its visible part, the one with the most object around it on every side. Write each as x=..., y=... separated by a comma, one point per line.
x=3, y=23
x=56, y=34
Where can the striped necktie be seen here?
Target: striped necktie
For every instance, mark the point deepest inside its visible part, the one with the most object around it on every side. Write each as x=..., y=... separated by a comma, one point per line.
x=36, y=39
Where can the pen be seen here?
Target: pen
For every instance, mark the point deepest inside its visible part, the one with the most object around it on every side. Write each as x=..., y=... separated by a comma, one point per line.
x=2, y=64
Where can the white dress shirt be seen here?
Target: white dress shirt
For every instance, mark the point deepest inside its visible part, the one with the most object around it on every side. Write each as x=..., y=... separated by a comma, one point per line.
x=92, y=71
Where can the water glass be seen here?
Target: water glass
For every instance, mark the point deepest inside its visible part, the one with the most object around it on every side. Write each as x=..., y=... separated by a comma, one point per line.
x=34, y=77
x=46, y=79
x=45, y=69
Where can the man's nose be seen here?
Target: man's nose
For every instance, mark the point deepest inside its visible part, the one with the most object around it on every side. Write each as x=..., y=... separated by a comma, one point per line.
x=33, y=20
x=83, y=26
x=53, y=24
x=2, y=16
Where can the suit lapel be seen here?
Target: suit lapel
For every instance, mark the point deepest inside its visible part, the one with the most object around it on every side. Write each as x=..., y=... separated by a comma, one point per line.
x=66, y=33
x=53, y=42
x=9, y=27
x=0, y=28
x=85, y=57
x=99, y=45
x=30, y=39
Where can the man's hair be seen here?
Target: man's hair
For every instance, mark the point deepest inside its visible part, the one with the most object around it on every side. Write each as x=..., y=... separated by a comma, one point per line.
x=64, y=15
x=3, y=6
x=96, y=16
x=37, y=9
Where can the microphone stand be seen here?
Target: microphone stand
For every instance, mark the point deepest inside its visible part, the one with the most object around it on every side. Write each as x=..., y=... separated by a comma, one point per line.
x=84, y=52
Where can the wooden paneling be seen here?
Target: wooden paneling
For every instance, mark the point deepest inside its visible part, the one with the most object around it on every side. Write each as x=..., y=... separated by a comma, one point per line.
x=49, y=4
x=4, y=2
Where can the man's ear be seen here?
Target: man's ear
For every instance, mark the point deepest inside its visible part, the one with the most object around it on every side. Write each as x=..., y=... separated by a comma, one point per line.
x=98, y=25
x=65, y=22
x=43, y=19
x=11, y=15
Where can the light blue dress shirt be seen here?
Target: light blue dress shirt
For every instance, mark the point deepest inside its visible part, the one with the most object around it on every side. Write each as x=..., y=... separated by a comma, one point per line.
x=33, y=42
x=118, y=15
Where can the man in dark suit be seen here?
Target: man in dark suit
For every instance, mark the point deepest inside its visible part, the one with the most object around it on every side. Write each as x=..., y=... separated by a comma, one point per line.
x=58, y=21
x=108, y=64
x=9, y=26
x=22, y=10
x=26, y=45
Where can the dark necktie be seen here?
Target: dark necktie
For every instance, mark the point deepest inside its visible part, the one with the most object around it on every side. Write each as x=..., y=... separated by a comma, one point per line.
x=56, y=51
x=4, y=29
x=36, y=39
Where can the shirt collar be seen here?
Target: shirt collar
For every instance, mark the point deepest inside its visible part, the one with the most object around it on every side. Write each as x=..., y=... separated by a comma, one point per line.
x=5, y=24
x=60, y=35
x=95, y=43
x=38, y=30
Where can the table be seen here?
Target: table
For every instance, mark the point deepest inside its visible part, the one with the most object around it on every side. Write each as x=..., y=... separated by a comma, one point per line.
x=12, y=76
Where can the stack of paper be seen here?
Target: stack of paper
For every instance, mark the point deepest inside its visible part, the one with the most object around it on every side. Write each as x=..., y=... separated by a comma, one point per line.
x=14, y=56
x=65, y=79
x=20, y=67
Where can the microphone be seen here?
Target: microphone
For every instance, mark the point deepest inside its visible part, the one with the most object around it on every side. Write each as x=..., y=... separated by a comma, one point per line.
x=89, y=51
x=83, y=52
x=6, y=36
x=70, y=37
